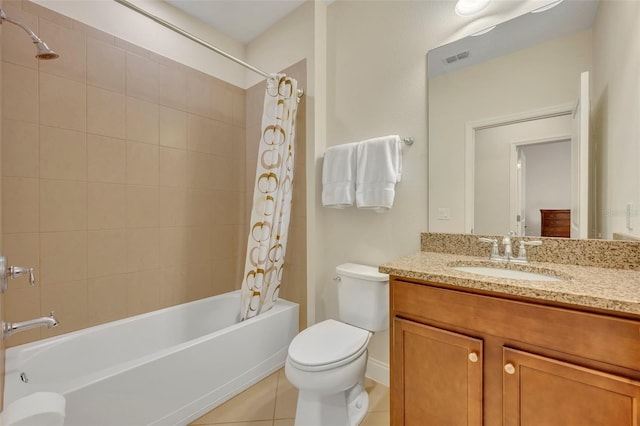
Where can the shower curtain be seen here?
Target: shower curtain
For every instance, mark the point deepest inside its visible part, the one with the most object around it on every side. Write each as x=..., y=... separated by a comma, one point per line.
x=271, y=211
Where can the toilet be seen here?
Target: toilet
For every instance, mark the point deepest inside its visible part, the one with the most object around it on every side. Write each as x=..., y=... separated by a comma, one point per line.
x=327, y=361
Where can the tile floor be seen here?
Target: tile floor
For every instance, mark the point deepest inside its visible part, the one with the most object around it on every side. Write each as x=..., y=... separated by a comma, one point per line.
x=272, y=402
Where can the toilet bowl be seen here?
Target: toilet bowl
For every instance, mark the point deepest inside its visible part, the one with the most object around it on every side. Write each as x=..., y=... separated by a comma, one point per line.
x=39, y=408
x=327, y=361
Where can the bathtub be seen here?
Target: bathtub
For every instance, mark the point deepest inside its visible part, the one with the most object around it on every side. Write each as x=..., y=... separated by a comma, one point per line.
x=166, y=367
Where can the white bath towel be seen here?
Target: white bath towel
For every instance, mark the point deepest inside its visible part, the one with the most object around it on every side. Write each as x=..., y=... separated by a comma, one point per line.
x=379, y=168
x=339, y=176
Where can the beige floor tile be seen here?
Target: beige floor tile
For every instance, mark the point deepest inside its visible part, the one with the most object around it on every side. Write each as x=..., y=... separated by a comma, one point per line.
x=256, y=403
x=258, y=423
x=378, y=396
x=286, y=398
x=376, y=419
x=283, y=422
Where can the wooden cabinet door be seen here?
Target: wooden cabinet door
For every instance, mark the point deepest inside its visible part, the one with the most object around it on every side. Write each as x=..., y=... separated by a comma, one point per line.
x=436, y=377
x=540, y=391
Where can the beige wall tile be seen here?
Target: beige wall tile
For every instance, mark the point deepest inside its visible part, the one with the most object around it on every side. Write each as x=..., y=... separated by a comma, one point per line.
x=106, y=65
x=142, y=163
x=69, y=301
x=63, y=205
x=142, y=77
x=173, y=127
x=106, y=159
x=173, y=246
x=173, y=167
x=22, y=249
x=222, y=139
x=143, y=249
x=173, y=80
x=172, y=287
x=222, y=102
x=142, y=291
x=19, y=93
x=222, y=173
x=199, y=96
x=71, y=45
x=63, y=154
x=142, y=207
x=198, y=246
x=226, y=241
x=15, y=43
x=63, y=257
x=106, y=206
x=226, y=207
x=105, y=112
x=173, y=206
x=20, y=149
x=63, y=103
x=238, y=108
x=199, y=281
x=106, y=298
x=107, y=252
x=224, y=277
x=20, y=205
x=199, y=208
x=238, y=142
x=142, y=121
x=45, y=13
x=200, y=171
x=199, y=133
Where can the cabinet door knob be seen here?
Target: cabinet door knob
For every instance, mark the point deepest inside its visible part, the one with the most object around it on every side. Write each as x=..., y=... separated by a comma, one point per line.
x=473, y=357
x=509, y=368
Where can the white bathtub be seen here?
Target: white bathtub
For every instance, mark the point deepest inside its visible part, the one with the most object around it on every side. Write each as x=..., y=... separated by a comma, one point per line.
x=166, y=367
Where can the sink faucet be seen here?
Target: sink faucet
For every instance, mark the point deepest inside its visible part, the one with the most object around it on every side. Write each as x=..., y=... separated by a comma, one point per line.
x=506, y=242
x=508, y=256
x=9, y=328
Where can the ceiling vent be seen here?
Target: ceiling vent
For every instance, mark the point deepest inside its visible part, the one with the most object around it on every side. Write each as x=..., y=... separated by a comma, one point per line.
x=454, y=58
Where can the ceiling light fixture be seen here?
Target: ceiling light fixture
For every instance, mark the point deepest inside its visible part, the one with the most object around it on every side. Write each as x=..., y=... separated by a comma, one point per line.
x=547, y=7
x=470, y=7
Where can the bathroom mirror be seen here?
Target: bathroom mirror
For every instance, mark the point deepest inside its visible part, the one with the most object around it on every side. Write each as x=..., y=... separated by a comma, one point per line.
x=498, y=88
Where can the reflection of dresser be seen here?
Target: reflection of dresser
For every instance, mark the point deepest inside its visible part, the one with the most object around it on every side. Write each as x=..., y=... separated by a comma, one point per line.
x=555, y=223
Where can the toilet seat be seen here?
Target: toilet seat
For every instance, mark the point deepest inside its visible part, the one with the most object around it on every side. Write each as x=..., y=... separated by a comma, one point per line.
x=326, y=345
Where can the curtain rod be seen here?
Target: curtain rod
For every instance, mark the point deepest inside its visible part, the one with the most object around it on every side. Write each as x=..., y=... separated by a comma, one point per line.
x=192, y=37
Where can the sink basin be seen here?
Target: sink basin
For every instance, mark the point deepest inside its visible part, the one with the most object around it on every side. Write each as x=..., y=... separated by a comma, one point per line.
x=505, y=273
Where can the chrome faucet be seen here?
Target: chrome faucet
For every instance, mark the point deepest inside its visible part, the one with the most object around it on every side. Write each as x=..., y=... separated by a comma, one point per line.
x=9, y=328
x=508, y=256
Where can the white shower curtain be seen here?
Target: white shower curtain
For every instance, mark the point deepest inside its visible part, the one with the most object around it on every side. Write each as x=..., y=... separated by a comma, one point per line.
x=267, y=241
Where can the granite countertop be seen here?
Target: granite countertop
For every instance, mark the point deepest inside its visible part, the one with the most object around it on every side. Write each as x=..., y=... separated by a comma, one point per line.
x=615, y=290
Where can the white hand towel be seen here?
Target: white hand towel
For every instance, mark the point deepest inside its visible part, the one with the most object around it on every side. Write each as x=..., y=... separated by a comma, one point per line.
x=339, y=176
x=378, y=169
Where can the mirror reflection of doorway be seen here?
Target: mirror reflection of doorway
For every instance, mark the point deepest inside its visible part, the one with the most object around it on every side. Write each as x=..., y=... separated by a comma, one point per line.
x=543, y=171
x=545, y=183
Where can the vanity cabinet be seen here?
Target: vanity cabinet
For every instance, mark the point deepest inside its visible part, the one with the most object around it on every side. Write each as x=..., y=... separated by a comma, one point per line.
x=464, y=358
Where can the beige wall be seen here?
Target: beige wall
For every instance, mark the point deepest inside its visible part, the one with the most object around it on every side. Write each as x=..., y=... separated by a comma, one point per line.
x=521, y=82
x=615, y=112
x=376, y=84
x=122, y=178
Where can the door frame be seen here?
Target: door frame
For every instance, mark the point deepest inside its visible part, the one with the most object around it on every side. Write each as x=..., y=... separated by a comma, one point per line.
x=472, y=127
x=513, y=171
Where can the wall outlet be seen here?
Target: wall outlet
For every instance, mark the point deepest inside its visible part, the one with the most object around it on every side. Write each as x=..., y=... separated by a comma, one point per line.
x=444, y=213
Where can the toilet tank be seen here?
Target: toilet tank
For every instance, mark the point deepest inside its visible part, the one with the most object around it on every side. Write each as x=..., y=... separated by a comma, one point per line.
x=363, y=296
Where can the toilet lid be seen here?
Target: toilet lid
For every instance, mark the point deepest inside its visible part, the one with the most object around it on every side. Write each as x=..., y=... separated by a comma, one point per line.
x=328, y=342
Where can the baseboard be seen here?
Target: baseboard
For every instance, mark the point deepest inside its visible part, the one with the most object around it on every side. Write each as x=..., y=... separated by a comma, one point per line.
x=378, y=371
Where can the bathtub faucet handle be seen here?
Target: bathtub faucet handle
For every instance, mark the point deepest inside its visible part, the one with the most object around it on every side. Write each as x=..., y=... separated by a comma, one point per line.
x=18, y=271
x=12, y=272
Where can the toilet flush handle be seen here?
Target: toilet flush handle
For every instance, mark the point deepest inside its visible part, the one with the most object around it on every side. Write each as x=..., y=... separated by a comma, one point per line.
x=337, y=279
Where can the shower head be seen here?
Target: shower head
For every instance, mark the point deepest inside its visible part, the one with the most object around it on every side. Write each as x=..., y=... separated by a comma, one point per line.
x=42, y=50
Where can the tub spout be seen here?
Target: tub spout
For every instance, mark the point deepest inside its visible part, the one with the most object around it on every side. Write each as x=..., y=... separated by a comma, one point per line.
x=9, y=328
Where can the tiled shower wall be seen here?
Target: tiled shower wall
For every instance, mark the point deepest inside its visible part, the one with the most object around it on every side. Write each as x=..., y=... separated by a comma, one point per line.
x=123, y=177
